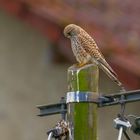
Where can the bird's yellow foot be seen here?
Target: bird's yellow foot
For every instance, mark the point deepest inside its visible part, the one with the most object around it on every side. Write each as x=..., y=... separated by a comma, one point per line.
x=79, y=65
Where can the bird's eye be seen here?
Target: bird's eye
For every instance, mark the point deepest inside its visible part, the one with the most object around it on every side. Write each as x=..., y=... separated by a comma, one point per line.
x=69, y=33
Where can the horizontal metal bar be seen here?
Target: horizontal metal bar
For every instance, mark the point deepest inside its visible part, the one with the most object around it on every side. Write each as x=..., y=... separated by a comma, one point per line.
x=128, y=96
x=53, y=109
x=59, y=108
x=102, y=101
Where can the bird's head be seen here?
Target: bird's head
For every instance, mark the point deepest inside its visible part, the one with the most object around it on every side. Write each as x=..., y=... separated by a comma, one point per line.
x=71, y=30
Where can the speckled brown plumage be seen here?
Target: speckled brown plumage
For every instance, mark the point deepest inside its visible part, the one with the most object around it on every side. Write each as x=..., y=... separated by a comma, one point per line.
x=86, y=50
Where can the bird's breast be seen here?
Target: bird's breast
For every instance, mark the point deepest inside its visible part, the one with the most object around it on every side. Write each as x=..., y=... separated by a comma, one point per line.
x=81, y=55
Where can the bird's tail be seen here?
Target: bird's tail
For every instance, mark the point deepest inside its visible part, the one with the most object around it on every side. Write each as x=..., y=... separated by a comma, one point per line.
x=111, y=75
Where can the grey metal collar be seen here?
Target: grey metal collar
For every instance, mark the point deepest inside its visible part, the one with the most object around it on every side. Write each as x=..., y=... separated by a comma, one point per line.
x=79, y=96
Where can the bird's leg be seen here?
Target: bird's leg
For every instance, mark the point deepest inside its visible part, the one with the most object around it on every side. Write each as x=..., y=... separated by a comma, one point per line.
x=79, y=65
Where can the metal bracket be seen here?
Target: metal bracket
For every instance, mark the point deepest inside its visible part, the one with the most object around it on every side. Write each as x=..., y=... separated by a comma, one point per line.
x=78, y=96
x=128, y=97
x=122, y=123
x=88, y=97
x=59, y=108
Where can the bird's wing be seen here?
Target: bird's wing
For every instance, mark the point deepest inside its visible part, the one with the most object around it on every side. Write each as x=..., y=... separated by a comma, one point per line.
x=91, y=47
x=103, y=62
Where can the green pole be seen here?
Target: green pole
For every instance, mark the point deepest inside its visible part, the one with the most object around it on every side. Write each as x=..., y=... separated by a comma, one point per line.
x=82, y=117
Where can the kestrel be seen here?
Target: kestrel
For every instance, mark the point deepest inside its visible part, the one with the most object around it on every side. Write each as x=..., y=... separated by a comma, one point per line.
x=86, y=50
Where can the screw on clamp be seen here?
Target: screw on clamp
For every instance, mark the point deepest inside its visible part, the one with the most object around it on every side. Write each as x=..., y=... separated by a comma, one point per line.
x=122, y=126
x=122, y=123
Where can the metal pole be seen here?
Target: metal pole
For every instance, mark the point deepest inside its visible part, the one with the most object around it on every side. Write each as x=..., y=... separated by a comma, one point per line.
x=50, y=136
x=120, y=133
x=82, y=117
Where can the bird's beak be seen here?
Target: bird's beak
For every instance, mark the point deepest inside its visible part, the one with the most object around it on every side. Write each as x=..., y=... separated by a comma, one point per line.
x=66, y=35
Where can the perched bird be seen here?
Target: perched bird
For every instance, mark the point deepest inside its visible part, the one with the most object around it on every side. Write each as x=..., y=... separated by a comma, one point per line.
x=86, y=50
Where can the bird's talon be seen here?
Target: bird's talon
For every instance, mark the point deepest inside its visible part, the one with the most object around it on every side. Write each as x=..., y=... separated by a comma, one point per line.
x=80, y=65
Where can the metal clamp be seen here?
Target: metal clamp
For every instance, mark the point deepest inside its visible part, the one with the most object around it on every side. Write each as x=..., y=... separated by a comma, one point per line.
x=122, y=126
x=59, y=108
x=79, y=96
x=121, y=123
x=88, y=97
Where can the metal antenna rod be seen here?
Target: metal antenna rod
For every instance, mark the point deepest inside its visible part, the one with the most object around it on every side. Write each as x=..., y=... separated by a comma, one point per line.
x=50, y=136
x=120, y=133
x=126, y=135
